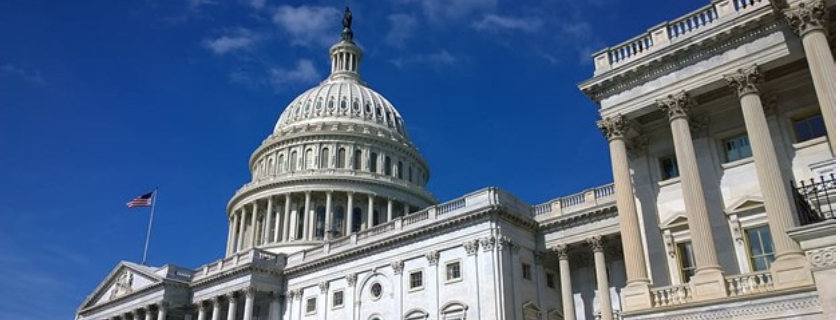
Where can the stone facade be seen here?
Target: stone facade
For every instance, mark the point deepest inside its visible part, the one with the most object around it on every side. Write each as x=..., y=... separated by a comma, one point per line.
x=709, y=119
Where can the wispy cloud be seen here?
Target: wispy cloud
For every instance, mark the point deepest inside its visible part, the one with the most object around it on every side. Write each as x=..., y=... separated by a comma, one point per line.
x=450, y=10
x=402, y=28
x=32, y=77
x=256, y=4
x=304, y=72
x=495, y=23
x=238, y=39
x=309, y=25
x=436, y=59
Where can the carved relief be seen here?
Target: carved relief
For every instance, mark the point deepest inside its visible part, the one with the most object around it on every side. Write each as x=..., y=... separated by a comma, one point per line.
x=123, y=285
x=676, y=105
x=745, y=81
x=613, y=127
x=823, y=258
x=806, y=17
x=471, y=246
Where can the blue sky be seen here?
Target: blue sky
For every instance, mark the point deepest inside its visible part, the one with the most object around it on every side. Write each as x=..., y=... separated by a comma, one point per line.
x=101, y=101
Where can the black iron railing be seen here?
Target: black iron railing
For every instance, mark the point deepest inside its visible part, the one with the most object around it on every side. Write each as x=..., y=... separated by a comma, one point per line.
x=815, y=199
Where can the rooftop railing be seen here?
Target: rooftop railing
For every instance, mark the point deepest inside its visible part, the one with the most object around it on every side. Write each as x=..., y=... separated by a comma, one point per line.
x=253, y=256
x=674, y=31
x=576, y=202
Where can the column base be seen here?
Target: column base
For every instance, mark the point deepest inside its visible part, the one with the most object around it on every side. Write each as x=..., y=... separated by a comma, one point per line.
x=791, y=271
x=636, y=296
x=708, y=284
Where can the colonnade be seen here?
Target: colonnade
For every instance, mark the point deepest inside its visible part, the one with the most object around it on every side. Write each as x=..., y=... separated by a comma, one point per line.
x=155, y=311
x=214, y=308
x=596, y=244
x=308, y=216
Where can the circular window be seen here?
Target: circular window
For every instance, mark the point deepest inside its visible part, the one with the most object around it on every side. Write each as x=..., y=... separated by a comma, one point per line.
x=376, y=290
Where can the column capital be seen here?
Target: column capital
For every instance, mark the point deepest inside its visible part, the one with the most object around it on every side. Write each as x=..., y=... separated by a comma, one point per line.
x=562, y=251
x=806, y=16
x=745, y=80
x=613, y=127
x=217, y=301
x=488, y=243
x=250, y=292
x=323, y=286
x=676, y=105
x=597, y=243
x=162, y=304
x=471, y=246
x=351, y=279
x=231, y=296
x=397, y=266
x=433, y=257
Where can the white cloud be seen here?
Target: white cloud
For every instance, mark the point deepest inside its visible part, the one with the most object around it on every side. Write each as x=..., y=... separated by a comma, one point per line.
x=436, y=59
x=303, y=73
x=493, y=22
x=33, y=77
x=309, y=25
x=402, y=28
x=227, y=44
x=437, y=10
x=256, y=4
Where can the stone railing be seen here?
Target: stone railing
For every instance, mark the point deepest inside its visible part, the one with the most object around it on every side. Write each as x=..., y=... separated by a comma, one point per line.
x=576, y=202
x=482, y=199
x=252, y=256
x=672, y=32
x=749, y=283
x=671, y=295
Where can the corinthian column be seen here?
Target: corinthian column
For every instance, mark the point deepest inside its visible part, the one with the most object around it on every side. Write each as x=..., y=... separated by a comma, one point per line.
x=269, y=214
x=162, y=309
x=254, y=232
x=789, y=269
x=249, y=303
x=348, y=215
x=328, y=218
x=636, y=293
x=597, y=244
x=708, y=281
x=566, y=294
x=807, y=20
x=217, y=308
x=231, y=306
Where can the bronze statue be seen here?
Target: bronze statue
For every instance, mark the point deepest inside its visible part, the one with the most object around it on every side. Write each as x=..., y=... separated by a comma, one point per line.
x=348, y=18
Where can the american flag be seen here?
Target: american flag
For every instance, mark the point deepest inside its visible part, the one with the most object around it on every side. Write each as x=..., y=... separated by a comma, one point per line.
x=141, y=201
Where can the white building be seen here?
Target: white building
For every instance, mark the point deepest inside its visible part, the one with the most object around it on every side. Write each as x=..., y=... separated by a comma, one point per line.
x=709, y=118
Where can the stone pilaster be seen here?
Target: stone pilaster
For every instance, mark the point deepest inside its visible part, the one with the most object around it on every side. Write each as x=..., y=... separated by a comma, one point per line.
x=566, y=294
x=708, y=282
x=790, y=268
x=597, y=245
x=636, y=294
x=808, y=20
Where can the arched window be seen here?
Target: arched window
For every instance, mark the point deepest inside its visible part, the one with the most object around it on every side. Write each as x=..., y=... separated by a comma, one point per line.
x=339, y=160
x=357, y=160
x=300, y=217
x=331, y=104
x=343, y=104
x=320, y=218
x=338, y=221
x=270, y=169
x=325, y=158
x=399, y=170
x=410, y=174
x=357, y=219
x=387, y=168
x=356, y=105
x=310, y=159
x=373, y=162
x=293, y=162
x=280, y=163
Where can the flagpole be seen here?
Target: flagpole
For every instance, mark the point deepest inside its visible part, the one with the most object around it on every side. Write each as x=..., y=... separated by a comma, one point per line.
x=149, y=230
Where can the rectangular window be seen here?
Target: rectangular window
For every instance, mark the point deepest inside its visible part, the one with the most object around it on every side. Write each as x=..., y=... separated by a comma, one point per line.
x=549, y=280
x=338, y=299
x=453, y=271
x=415, y=280
x=809, y=128
x=737, y=148
x=686, y=259
x=526, y=271
x=310, y=305
x=668, y=167
x=761, y=248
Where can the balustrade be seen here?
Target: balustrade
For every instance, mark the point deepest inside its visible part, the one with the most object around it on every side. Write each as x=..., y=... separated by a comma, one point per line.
x=749, y=283
x=671, y=295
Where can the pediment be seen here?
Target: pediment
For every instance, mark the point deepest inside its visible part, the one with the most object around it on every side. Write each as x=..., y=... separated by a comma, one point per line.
x=745, y=204
x=126, y=278
x=676, y=220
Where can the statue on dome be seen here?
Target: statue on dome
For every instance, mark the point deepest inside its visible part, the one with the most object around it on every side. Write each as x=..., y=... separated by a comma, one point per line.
x=347, y=34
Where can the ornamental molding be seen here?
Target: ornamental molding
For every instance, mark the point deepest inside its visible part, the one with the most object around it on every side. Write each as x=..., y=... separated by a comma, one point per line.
x=824, y=258
x=745, y=80
x=588, y=217
x=324, y=286
x=488, y=243
x=234, y=272
x=562, y=251
x=614, y=127
x=397, y=266
x=471, y=247
x=351, y=279
x=676, y=105
x=807, y=17
x=298, y=293
x=278, y=142
x=433, y=257
x=596, y=243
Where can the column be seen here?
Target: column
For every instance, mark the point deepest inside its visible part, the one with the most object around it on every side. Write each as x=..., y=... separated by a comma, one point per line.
x=277, y=226
x=231, y=315
x=202, y=314
x=135, y=315
x=566, y=294
x=597, y=244
x=231, y=233
x=405, y=209
x=287, y=213
x=807, y=19
x=161, y=306
x=269, y=215
x=370, y=212
x=390, y=209
x=217, y=308
x=241, y=237
x=348, y=220
x=328, y=227
x=789, y=269
x=253, y=241
x=636, y=293
x=249, y=303
x=274, y=306
x=307, y=217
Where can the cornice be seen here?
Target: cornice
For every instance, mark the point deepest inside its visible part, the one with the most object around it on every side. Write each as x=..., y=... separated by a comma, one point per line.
x=164, y=284
x=244, y=269
x=562, y=221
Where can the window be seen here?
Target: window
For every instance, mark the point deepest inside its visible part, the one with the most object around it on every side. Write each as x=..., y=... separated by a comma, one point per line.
x=309, y=159
x=737, y=148
x=325, y=158
x=453, y=271
x=376, y=291
x=415, y=280
x=357, y=219
x=338, y=299
x=549, y=280
x=410, y=174
x=310, y=305
x=399, y=170
x=668, y=167
x=761, y=248
x=387, y=166
x=338, y=221
x=357, y=160
x=809, y=128
x=686, y=260
x=280, y=163
x=373, y=160
x=526, y=271
x=320, y=216
x=339, y=160
x=293, y=162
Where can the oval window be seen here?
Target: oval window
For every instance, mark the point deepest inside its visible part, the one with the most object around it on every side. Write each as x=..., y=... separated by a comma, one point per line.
x=376, y=290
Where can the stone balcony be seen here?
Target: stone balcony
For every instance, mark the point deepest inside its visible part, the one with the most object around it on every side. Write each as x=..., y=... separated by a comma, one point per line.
x=250, y=258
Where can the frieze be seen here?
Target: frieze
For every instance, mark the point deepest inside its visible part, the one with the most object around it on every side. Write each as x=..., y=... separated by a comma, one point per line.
x=823, y=258
x=754, y=310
